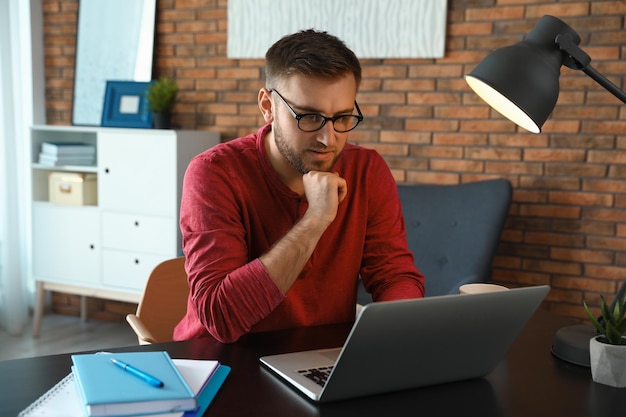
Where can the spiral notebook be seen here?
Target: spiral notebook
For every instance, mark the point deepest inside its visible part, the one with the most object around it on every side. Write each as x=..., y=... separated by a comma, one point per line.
x=204, y=377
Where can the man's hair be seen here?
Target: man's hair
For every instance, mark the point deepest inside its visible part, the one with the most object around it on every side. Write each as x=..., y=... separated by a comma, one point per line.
x=310, y=53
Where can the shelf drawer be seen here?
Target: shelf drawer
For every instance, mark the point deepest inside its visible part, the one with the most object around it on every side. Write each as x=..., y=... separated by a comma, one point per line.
x=145, y=234
x=129, y=270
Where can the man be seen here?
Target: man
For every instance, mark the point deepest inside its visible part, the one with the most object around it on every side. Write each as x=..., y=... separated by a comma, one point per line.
x=278, y=226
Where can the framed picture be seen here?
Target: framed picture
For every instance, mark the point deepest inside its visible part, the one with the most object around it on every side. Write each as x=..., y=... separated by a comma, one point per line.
x=125, y=105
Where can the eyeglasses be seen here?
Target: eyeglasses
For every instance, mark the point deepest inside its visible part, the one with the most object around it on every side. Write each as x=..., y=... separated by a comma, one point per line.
x=310, y=122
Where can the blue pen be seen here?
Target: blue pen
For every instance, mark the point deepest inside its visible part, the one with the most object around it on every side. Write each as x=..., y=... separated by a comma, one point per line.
x=138, y=373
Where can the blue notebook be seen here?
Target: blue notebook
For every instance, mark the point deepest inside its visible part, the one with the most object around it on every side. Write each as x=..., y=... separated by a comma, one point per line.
x=108, y=390
x=205, y=377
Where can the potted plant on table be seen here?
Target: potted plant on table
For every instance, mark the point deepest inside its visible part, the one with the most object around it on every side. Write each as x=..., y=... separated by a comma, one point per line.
x=161, y=96
x=607, y=351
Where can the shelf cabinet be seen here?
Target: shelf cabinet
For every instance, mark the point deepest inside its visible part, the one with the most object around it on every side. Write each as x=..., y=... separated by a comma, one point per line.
x=107, y=250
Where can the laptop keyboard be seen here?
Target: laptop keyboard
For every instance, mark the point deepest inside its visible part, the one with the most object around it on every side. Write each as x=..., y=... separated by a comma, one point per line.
x=317, y=375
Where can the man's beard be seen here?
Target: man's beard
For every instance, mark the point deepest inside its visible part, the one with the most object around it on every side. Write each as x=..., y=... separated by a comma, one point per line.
x=294, y=158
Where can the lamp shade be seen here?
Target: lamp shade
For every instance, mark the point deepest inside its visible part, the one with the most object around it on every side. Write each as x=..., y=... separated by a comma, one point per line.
x=521, y=81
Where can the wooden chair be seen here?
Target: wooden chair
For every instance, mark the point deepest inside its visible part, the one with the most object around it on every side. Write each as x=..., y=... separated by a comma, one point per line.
x=163, y=303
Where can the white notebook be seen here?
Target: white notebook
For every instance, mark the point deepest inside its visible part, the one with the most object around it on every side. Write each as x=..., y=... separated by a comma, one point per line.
x=64, y=400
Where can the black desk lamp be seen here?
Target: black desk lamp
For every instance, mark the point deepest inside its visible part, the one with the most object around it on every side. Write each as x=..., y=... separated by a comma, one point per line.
x=521, y=82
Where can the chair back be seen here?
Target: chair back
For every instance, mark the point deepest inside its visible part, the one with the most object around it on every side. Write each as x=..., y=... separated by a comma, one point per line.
x=163, y=303
x=453, y=231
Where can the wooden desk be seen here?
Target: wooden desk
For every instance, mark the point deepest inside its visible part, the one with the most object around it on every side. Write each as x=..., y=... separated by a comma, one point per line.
x=529, y=382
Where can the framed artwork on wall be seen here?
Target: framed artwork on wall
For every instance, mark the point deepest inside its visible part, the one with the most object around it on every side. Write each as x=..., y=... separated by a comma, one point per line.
x=125, y=105
x=102, y=28
x=371, y=28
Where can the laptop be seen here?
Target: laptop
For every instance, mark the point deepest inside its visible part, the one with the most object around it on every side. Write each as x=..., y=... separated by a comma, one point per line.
x=396, y=345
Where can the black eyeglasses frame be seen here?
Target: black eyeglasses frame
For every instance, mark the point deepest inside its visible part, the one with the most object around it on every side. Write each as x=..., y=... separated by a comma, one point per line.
x=298, y=116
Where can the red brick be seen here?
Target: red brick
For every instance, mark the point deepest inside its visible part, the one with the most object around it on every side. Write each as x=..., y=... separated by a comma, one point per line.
x=561, y=9
x=575, y=170
x=400, y=111
x=563, y=155
x=605, y=272
x=495, y=13
x=437, y=152
x=405, y=137
x=389, y=149
x=613, y=244
x=554, y=239
x=431, y=125
x=584, y=199
x=604, y=127
x=432, y=178
x=433, y=98
x=558, y=212
x=610, y=157
x=460, y=112
x=584, y=284
x=490, y=126
x=436, y=72
x=588, y=256
x=605, y=214
x=528, y=196
x=460, y=29
x=570, y=268
x=565, y=296
x=492, y=153
x=610, y=186
x=519, y=168
x=455, y=165
x=445, y=139
x=522, y=140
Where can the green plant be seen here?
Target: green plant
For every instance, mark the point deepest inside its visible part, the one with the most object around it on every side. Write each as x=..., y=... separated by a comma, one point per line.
x=613, y=323
x=161, y=95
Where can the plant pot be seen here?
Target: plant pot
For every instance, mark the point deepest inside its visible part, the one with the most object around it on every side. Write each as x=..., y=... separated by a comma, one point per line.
x=161, y=120
x=608, y=362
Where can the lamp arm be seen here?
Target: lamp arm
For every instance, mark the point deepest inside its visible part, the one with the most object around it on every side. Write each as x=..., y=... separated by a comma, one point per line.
x=604, y=82
x=579, y=60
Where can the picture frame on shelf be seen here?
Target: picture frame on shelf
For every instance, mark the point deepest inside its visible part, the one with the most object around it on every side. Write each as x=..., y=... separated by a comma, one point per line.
x=125, y=105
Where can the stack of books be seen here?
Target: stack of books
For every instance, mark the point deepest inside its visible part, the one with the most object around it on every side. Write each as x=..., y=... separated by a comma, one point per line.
x=67, y=153
x=97, y=386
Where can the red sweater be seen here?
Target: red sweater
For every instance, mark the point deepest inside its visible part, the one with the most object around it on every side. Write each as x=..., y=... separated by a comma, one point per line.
x=234, y=207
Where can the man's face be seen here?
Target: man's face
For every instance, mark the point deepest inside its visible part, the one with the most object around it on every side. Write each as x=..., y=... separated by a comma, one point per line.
x=319, y=150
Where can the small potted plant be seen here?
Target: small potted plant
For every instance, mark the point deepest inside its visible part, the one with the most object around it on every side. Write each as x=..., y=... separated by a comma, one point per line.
x=607, y=351
x=161, y=96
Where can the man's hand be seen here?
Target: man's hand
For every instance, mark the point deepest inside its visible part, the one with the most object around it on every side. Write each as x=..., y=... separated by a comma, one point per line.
x=324, y=192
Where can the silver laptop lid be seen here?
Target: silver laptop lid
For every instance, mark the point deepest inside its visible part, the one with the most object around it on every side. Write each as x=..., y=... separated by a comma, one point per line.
x=411, y=343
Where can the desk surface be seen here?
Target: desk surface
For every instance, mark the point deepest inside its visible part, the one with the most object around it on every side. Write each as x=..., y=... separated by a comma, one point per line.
x=528, y=382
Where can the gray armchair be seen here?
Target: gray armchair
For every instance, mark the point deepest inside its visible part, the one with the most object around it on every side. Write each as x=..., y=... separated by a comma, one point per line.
x=453, y=231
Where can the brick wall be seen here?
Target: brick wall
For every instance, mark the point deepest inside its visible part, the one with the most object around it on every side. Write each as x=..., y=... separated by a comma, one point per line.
x=567, y=223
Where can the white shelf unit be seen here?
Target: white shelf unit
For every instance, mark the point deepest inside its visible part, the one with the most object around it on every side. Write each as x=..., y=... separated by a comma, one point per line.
x=108, y=250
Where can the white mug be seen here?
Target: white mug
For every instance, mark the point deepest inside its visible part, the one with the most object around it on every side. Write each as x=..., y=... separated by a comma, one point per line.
x=480, y=288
